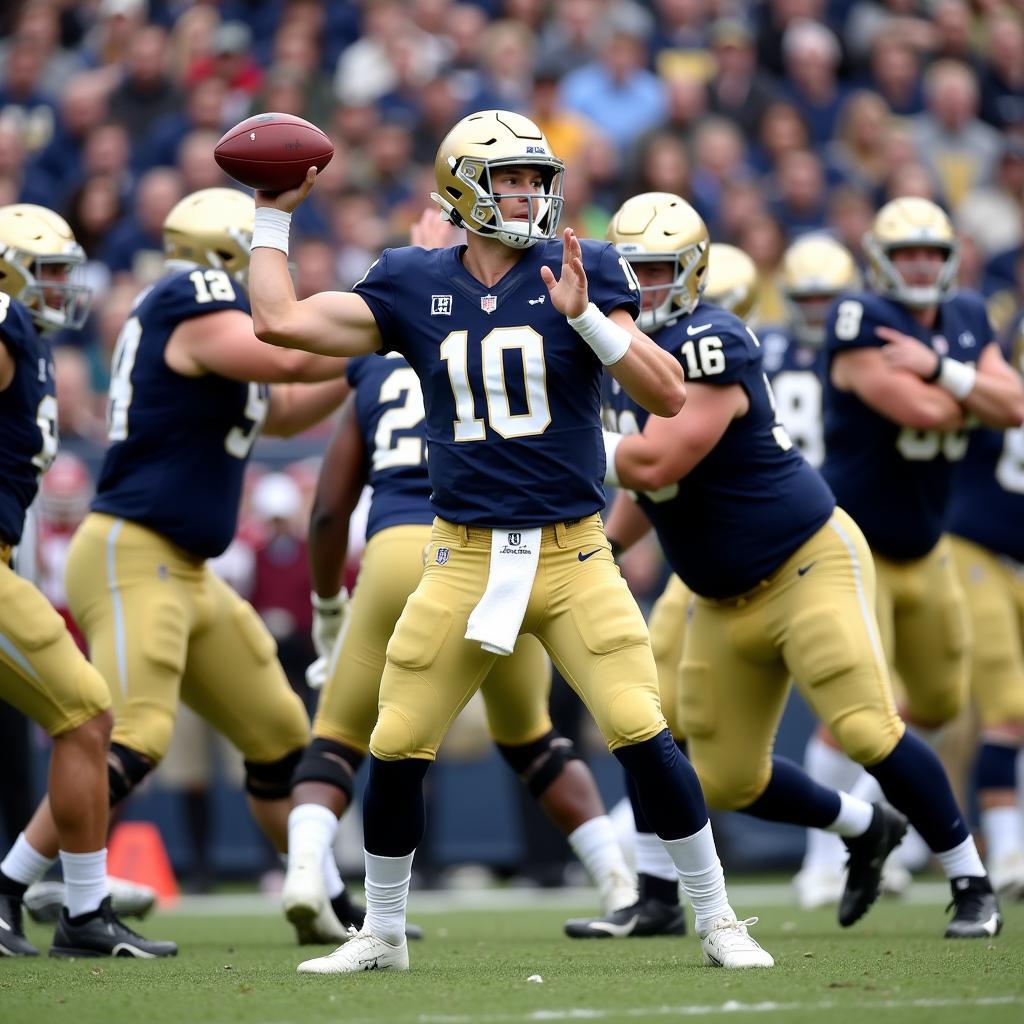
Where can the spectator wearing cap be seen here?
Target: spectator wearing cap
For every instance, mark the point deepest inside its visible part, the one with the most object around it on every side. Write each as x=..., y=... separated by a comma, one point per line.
x=812, y=54
x=146, y=92
x=616, y=92
x=1002, y=79
x=949, y=137
x=231, y=62
x=739, y=89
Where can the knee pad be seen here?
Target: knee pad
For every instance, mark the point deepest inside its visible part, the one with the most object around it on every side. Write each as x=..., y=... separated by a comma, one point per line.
x=866, y=737
x=272, y=781
x=328, y=761
x=539, y=763
x=126, y=768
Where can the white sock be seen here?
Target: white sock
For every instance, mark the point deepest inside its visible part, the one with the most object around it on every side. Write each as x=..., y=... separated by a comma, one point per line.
x=85, y=881
x=332, y=876
x=621, y=816
x=700, y=872
x=311, y=829
x=825, y=852
x=829, y=766
x=867, y=788
x=387, y=894
x=24, y=863
x=1003, y=829
x=962, y=860
x=597, y=847
x=652, y=858
x=854, y=816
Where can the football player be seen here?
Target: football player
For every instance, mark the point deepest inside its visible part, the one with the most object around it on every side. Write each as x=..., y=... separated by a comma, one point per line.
x=731, y=281
x=381, y=442
x=783, y=582
x=908, y=363
x=188, y=398
x=508, y=335
x=42, y=671
x=986, y=521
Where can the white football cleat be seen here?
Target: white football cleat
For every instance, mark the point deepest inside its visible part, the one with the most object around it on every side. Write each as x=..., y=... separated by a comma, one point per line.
x=1007, y=875
x=728, y=944
x=362, y=952
x=306, y=905
x=819, y=886
x=617, y=890
x=43, y=900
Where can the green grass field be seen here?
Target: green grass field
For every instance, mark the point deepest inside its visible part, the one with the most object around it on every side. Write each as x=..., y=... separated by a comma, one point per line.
x=238, y=964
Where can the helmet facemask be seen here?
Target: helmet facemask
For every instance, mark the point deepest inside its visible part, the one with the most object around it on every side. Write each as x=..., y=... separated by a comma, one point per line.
x=886, y=278
x=681, y=294
x=56, y=299
x=544, y=209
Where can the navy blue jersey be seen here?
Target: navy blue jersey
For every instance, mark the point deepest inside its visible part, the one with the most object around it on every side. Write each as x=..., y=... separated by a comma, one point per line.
x=178, y=444
x=512, y=392
x=988, y=493
x=796, y=372
x=895, y=481
x=28, y=417
x=753, y=499
x=389, y=409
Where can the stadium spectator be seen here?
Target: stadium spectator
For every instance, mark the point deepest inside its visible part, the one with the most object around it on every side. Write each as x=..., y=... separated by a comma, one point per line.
x=776, y=18
x=571, y=38
x=136, y=245
x=24, y=98
x=681, y=29
x=850, y=213
x=78, y=416
x=297, y=51
x=741, y=202
x=764, y=241
x=108, y=41
x=616, y=92
x=1002, y=80
x=992, y=214
x=146, y=92
x=663, y=164
x=687, y=108
x=949, y=137
x=800, y=194
x=189, y=43
x=508, y=56
x=895, y=74
x=196, y=162
x=783, y=130
x=857, y=154
x=719, y=159
x=12, y=157
x=38, y=23
x=812, y=55
x=206, y=109
x=739, y=89
x=954, y=34
x=230, y=62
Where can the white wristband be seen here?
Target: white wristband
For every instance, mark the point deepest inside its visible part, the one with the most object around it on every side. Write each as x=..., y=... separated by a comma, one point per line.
x=329, y=605
x=957, y=378
x=608, y=340
x=611, y=443
x=271, y=230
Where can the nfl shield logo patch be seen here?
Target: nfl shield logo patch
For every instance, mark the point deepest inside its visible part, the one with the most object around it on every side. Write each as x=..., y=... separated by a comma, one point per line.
x=489, y=303
x=442, y=555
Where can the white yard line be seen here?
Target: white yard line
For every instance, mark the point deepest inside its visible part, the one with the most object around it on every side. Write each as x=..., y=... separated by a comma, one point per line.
x=745, y=897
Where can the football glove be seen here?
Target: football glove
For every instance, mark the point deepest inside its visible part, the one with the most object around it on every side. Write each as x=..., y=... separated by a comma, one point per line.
x=329, y=617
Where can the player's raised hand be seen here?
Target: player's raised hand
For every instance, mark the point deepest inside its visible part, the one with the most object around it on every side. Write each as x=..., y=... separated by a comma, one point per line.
x=905, y=352
x=569, y=292
x=432, y=231
x=289, y=199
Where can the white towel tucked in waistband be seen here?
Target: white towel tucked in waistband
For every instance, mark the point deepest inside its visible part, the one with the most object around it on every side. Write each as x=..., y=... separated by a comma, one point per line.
x=498, y=616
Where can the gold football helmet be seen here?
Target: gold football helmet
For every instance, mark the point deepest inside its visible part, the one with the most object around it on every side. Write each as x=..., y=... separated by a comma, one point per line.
x=731, y=281
x=212, y=227
x=660, y=227
x=466, y=162
x=39, y=258
x=904, y=223
x=815, y=270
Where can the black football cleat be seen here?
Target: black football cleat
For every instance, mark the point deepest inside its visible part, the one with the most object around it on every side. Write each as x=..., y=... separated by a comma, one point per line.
x=12, y=932
x=867, y=857
x=104, y=934
x=643, y=918
x=352, y=915
x=977, y=913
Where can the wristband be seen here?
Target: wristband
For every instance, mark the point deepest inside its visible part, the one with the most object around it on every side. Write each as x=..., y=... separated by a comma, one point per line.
x=608, y=340
x=611, y=443
x=957, y=378
x=329, y=605
x=271, y=230
x=934, y=375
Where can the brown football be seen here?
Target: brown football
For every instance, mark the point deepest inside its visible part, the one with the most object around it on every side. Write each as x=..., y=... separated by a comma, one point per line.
x=272, y=151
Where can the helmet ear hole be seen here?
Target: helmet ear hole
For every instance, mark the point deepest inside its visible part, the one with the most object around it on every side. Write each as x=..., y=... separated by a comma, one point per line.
x=453, y=192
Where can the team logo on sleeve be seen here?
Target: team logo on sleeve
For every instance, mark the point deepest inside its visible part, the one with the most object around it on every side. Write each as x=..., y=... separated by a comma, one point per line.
x=489, y=303
x=442, y=555
x=440, y=305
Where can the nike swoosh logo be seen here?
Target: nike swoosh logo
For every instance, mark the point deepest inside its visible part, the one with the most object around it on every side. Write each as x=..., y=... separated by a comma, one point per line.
x=807, y=568
x=691, y=330
x=617, y=930
x=583, y=557
x=534, y=302
x=5, y=925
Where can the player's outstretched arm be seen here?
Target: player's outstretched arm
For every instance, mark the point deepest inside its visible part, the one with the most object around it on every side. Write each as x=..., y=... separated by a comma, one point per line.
x=992, y=391
x=329, y=323
x=343, y=474
x=297, y=407
x=669, y=448
x=649, y=375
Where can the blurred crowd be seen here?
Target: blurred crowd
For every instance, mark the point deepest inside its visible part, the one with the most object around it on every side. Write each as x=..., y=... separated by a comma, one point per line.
x=774, y=118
